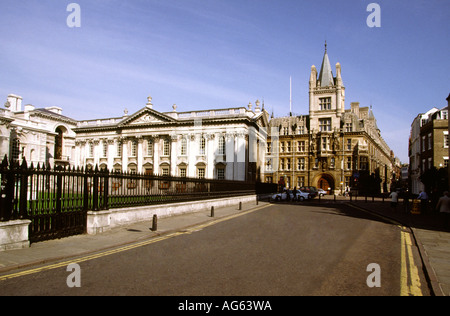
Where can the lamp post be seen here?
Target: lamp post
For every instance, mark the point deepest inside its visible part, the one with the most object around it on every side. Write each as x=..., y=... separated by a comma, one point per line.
x=448, y=167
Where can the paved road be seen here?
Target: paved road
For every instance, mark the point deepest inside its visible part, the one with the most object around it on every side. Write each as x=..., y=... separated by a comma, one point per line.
x=281, y=249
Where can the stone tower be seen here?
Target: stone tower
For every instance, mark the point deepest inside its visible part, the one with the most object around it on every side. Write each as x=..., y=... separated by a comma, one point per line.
x=326, y=97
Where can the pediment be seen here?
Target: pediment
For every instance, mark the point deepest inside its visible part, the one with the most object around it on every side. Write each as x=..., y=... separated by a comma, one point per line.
x=262, y=120
x=147, y=116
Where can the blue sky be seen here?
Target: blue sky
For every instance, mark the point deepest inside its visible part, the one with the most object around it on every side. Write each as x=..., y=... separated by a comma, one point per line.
x=203, y=54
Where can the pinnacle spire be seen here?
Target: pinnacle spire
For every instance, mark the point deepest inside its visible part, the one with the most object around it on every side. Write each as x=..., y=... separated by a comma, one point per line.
x=326, y=75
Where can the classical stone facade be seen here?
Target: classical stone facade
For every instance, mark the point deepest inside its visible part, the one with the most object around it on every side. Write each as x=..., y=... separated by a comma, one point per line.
x=214, y=144
x=40, y=135
x=331, y=148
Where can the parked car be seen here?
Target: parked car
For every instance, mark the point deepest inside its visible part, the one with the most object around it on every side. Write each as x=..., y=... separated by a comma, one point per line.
x=311, y=190
x=283, y=196
x=321, y=192
x=296, y=195
x=301, y=196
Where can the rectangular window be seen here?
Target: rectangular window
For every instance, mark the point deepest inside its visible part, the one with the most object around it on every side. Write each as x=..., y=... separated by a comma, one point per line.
x=301, y=181
x=201, y=173
x=301, y=164
x=119, y=149
x=221, y=174
x=325, y=104
x=183, y=172
x=301, y=146
x=133, y=149
x=183, y=149
x=222, y=148
x=325, y=125
x=91, y=150
x=430, y=141
x=166, y=147
x=348, y=127
x=105, y=148
x=202, y=148
x=363, y=163
x=149, y=148
x=325, y=143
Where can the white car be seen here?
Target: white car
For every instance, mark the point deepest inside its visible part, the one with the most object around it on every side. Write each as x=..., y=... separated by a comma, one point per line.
x=300, y=196
x=321, y=192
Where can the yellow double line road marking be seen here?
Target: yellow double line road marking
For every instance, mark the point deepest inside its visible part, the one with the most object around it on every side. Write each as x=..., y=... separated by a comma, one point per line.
x=126, y=248
x=409, y=276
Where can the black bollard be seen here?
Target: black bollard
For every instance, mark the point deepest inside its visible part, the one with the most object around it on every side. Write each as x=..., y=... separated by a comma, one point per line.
x=212, y=211
x=155, y=223
x=240, y=206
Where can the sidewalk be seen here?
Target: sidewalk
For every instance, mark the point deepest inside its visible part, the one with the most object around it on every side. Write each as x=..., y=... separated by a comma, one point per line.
x=82, y=245
x=432, y=239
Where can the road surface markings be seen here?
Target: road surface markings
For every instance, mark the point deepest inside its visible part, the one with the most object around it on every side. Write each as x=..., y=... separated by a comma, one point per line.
x=409, y=276
x=128, y=247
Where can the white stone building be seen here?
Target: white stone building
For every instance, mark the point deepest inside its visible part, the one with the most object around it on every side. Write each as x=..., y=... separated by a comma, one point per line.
x=215, y=144
x=40, y=135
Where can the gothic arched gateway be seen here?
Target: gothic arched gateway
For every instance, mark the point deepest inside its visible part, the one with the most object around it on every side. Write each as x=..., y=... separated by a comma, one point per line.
x=325, y=182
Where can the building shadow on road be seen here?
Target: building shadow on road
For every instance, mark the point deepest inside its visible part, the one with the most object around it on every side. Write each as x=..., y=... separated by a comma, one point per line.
x=376, y=211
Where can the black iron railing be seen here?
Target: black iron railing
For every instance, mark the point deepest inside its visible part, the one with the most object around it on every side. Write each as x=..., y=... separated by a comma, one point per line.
x=40, y=191
x=56, y=200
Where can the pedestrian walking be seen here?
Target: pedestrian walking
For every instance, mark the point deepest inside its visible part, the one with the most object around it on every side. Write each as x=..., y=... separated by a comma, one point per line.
x=394, y=199
x=443, y=207
x=423, y=197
